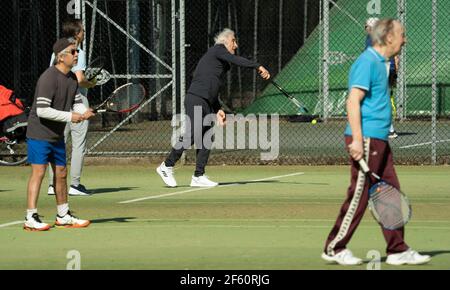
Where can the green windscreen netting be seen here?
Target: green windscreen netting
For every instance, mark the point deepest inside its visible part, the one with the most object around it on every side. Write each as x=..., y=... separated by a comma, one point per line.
x=303, y=76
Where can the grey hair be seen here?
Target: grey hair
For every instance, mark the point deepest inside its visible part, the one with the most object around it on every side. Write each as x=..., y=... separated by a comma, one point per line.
x=381, y=29
x=73, y=41
x=223, y=36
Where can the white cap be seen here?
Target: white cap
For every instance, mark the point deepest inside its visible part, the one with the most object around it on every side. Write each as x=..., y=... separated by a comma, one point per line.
x=370, y=22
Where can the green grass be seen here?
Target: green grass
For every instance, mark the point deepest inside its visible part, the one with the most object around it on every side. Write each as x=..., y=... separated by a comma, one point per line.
x=273, y=224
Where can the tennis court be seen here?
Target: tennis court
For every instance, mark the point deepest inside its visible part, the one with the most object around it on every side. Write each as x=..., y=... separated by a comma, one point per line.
x=266, y=214
x=260, y=217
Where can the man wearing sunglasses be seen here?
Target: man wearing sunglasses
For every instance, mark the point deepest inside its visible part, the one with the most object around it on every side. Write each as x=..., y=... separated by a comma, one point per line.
x=77, y=131
x=55, y=103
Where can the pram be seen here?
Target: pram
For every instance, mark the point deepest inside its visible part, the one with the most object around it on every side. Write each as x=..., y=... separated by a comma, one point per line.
x=13, y=128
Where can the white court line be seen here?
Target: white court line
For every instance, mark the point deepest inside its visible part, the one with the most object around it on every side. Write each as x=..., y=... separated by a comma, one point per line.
x=422, y=144
x=366, y=226
x=10, y=224
x=255, y=220
x=205, y=188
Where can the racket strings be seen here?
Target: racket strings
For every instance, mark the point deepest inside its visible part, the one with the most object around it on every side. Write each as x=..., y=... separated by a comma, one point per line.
x=385, y=191
x=127, y=98
x=389, y=206
x=95, y=67
x=388, y=215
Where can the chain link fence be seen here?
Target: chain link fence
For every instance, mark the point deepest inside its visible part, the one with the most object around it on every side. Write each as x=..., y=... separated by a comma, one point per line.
x=136, y=39
x=311, y=55
x=307, y=45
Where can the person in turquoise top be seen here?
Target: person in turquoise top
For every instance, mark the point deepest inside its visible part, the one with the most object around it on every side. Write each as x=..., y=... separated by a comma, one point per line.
x=370, y=74
x=366, y=136
x=393, y=68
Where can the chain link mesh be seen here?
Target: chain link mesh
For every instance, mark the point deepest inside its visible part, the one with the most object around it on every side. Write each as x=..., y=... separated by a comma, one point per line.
x=308, y=53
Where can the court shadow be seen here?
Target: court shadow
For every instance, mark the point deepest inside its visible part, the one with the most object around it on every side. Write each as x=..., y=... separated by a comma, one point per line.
x=306, y=183
x=259, y=182
x=178, y=186
x=272, y=181
x=249, y=182
x=436, y=253
x=116, y=220
x=430, y=253
x=231, y=183
x=109, y=190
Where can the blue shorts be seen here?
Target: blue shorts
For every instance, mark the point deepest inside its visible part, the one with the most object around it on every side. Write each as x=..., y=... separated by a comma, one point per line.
x=44, y=152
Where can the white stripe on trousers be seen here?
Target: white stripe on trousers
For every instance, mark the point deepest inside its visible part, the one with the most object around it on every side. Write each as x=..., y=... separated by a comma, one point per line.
x=349, y=216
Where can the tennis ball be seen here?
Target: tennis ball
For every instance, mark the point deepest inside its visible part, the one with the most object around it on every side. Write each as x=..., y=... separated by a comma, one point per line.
x=314, y=121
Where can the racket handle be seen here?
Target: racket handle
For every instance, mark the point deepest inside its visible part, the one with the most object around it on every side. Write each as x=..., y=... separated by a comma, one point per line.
x=365, y=168
x=363, y=165
x=95, y=111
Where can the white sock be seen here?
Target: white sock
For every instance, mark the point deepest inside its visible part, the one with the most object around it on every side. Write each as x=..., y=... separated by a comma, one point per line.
x=63, y=209
x=392, y=128
x=30, y=212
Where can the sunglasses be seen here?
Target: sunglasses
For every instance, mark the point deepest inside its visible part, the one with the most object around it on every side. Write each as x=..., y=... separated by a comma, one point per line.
x=72, y=51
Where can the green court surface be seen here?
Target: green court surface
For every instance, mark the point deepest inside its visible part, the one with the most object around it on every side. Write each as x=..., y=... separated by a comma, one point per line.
x=260, y=217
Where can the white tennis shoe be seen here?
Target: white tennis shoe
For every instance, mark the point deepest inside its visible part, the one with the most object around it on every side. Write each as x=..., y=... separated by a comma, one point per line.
x=70, y=221
x=167, y=175
x=202, y=181
x=344, y=257
x=34, y=223
x=408, y=257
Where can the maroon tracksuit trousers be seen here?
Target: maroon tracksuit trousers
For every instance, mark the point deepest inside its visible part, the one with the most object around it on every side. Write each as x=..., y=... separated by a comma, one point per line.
x=378, y=156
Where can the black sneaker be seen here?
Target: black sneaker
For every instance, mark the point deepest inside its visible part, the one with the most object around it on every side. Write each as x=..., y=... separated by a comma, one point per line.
x=78, y=190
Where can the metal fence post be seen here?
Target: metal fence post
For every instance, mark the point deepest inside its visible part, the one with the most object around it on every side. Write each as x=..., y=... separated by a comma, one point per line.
x=434, y=69
x=401, y=80
x=326, y=47
x=182, y=69
x=255, y=45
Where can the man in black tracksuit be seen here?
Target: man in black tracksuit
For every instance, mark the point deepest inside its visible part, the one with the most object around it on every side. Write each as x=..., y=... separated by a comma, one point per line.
x=202, y=97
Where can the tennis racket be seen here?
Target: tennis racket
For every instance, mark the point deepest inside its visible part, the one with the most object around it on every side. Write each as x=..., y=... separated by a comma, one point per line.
x=388, y=205
x=124, y=99
x=95, y=68
x=296, y=102
x=225, y=107
x=103, y=77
